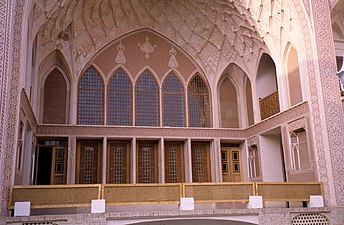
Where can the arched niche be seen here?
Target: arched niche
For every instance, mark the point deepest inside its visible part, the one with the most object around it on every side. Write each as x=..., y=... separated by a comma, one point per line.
x=266, y=87
x=294, y=81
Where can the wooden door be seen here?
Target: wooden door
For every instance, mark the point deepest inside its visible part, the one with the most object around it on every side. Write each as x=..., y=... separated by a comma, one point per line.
x=89, y=162
x=200, y=154
x=231, y=164
x=118, y=162
x=174, y=162
x=58, y=165
x=147, y=162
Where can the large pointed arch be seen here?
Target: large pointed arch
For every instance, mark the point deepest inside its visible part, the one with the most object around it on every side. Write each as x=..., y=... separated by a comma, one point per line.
x=198, y=102
x=119, y=99
x=147, y=100
x=91, y=98
x=173, y=102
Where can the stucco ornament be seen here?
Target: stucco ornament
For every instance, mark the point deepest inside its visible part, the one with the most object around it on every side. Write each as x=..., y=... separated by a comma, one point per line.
x=147, y=47
x=173, y=63
x=120, y=58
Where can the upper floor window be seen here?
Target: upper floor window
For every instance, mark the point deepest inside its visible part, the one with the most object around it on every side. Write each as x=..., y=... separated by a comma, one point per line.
x=253, y=161
x=119, y=97
x=199, y=104
x=299, y=149
x=90, y=98
x=147, y=100
x=173, y=102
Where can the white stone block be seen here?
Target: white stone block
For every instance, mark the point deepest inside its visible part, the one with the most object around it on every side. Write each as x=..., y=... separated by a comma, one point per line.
x=316, y=201
x=22, y=208
x=187, y=204
x=98, y=206
x=255, y=202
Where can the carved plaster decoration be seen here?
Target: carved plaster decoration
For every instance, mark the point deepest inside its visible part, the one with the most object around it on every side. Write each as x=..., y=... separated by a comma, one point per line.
x=120, y=58
x=147, y=47
x=227, y=29
x=173, y=63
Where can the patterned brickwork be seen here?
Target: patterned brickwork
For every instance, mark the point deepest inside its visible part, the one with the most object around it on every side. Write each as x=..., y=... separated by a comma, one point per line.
x=265, y=216
x=5, y=30
x=332, y=108
x=8, y=163
x=314, y=101
x=329, y=82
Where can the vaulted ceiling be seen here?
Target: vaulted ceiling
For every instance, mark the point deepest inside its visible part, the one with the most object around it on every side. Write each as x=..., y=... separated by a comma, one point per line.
x=214, y=33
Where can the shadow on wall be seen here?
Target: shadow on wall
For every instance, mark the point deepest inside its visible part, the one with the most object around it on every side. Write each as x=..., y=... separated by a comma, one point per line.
x=189, y=221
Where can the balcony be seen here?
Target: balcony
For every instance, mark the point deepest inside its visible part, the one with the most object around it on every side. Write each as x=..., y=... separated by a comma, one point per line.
x=66, y=196
x=269, y=105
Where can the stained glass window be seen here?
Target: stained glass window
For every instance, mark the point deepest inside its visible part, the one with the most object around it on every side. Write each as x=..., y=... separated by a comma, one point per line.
x=173, y=102
x=199, y=109
x=119, y=100
x=90, y=98
x=147, y=100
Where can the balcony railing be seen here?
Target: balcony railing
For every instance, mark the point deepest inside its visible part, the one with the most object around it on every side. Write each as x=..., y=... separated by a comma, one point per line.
x=269, y=105
x=60, y=196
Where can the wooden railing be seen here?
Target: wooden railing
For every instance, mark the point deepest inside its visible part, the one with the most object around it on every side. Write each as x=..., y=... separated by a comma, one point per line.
x=288, y=191
x=116, y=194
x=57, y=196
x=219, y=192
x=269, y=105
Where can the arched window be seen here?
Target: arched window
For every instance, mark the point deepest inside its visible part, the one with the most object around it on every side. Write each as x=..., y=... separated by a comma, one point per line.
x=299, y=149
x=119, y=110
x=173, y=102
x=55, y=99
x=147, y=100
x=90, y=98
x=199, y=109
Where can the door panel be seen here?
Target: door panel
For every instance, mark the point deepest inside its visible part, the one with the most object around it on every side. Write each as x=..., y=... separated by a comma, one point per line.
x=88, y=162
x=147, y=162
x=58, y=165
x=231, y=164
x=118, y=169
x=174, y=162
x=200, y=154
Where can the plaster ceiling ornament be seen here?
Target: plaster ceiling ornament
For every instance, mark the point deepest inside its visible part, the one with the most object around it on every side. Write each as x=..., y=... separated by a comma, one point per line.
x=195, y=26
x=120, y=58
x=147, y=48
x=173, y=63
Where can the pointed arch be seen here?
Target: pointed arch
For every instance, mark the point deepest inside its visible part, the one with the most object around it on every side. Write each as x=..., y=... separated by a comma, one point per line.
x=198, y=102
x=147, y=100
x=119, y=99
x=173, y=102
x=91, y=98
x=55, y=98
x=293, y=76
x=228, y=103
x=266, y=87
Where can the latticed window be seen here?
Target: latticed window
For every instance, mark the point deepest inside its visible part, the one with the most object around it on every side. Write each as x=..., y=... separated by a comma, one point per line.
x=200, y=162
x=89, y=157
x=173, y=102
x=199, y=109
x=147, y=100
x=119, y=163
x=119, y=100
x=147, y=163
x=253, y=161
x=174, y=166
x=299, y=150
x=90, y=98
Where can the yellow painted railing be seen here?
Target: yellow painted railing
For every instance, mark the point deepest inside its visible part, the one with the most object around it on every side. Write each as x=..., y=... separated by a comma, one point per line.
x=54, y=196
x=116, y=194
x=219, y=192
x=288, y=191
